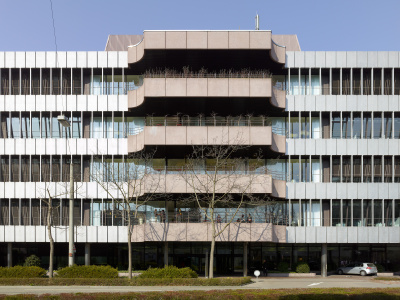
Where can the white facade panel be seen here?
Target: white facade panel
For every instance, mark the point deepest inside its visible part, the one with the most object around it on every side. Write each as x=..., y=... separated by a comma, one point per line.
x=341, y=59
x=300, y=234
x=9, y=103
x=351, y=59
x=112, y=59
x=102, y=59
x=92, y=59
x=102, y=236
x=320, y=59
x=112, y=103
x=122, y=234
x=310, y=146
x=341, y=234
x=9, y=146
x=61, y=59
x=123, y=103
x=122, y=59
x=40, y=60
x=352, y=234
x=311, y=235
x=383, y=59
x=92, y=234
x=112, y=234
x=51, y=60
x=102, y=103
x=372, y=59
x=362, y=59
x=51, y=103
x=291, y=235
x=299, y=59
x=20, y=103
x=80, y=234
x=10, y=59
x=20, y=146
x=71, y=102
x=81, y=103
x=92, y=103
x=20, y=59
x=81, y=148
x=309, y=59
x=81, y=59
x=289, y=63
x=393, y=59
x=2, y=58
x=41, y=234
x=30, y=103
x=330, y=59
x=320, y=234
x=9, y=234
x=71, y=59
x=331, y=235
x=19, y=232
x=2, y=102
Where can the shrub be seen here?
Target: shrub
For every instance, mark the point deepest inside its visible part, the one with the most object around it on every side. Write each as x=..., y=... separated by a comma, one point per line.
x=303, y=268
x=169, y=272
x=380, y=268
x=87, y=272
x=32, y=261
x=283, y=267
x=22, y=272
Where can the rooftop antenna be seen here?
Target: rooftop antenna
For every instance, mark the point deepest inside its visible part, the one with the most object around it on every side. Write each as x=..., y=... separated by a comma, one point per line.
x=257, y=22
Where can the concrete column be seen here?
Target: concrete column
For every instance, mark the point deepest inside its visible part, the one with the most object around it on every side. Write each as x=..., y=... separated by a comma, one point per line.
x=9, y=255
x=87, y=254
x=245, y=246
x=166, y=254
x=324, y=260
x=206, y=266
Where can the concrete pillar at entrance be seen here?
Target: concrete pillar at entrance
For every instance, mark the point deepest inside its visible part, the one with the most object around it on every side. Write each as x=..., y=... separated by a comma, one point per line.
x=206, y=266
x=87, y=254
x=245, y=258
x=324, y=260
x=166, y=254
x=9, y=255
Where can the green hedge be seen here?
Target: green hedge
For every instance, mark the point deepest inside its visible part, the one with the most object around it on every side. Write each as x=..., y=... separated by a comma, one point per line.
x=283, y=267
x=22, y=272
x=169, y=272
x=227, y=281
x=303, y=268
x=87, y=272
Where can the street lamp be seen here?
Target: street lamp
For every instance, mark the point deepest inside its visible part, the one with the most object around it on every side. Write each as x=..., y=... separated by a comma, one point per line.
x=65, y=123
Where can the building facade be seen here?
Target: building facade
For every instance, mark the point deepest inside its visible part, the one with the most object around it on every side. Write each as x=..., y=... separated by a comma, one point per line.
x=327, y=123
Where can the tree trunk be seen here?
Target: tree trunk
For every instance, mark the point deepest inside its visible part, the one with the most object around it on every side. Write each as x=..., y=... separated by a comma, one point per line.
x=51, y=256
x=129, y=246
x=211, y=269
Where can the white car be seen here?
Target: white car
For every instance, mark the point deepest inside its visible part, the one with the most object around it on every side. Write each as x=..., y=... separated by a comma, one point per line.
x=358, y=269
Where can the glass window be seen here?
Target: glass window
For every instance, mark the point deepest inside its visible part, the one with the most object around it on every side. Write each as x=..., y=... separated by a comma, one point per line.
x=295, y=170
x=346, y=168
x=46, y=130
x=95, y=212
x=388, y=212
x=305, y=170
x=315, y=128
x=367, y=125
x=346, y=125
x=397, y=212
x=396, y=124
x=97, y=128
x=336, y=213
x=294, y=127
x=336, y=126
x=108, y=129
x=346, y=208
x=378, y=212
x=316, y=170
x=35, y=126
x=295, y=212
x=357, y=213
x=305, y=127
x=387, y=125
x=377, y=169
x=315, y=213
x=356, y=125
x=367, y=169
x=76, y=126
x=356, y=169
x=336, y=172
x=377, y=125
x=397, y=169
x=367, y=211
x=25, y=126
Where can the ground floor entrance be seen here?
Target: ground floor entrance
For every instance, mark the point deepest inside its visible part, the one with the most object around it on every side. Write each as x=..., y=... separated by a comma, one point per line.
x=229, y=258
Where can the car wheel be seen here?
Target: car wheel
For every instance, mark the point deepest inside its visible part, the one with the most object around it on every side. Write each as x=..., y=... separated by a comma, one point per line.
x=340, y=272
x=363, y=273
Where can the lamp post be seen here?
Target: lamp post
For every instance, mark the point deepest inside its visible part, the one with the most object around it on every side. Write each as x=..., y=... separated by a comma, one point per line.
x=65, y=123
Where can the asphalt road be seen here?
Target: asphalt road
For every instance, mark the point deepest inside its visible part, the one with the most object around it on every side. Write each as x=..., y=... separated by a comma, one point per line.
x=261, y=283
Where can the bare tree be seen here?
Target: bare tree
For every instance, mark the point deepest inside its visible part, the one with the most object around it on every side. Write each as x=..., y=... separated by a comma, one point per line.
x=47, y=196
x=130, y=184
x=219, y=177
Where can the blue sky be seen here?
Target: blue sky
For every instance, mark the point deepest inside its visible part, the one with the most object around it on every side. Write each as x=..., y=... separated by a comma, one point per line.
x=26, y=25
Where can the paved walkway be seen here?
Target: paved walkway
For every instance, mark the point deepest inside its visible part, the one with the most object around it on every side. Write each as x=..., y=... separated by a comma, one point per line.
x=261, y=283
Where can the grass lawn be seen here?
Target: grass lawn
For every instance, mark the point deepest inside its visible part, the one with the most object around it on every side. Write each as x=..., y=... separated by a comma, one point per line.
x=326, y=294
x=396, y=278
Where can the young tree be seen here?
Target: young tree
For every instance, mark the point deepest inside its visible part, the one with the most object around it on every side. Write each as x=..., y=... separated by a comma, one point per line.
x=225, y=181
x=47, y=196
x=130, y=184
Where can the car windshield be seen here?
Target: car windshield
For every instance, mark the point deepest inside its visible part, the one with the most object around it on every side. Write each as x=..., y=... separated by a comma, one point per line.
x=371, y=265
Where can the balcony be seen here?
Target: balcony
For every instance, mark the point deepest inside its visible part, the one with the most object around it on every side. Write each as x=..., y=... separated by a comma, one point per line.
x=201, y=232
x=200, y=87
x=199, y=40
